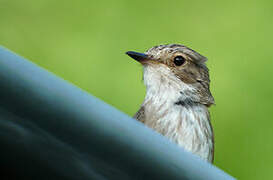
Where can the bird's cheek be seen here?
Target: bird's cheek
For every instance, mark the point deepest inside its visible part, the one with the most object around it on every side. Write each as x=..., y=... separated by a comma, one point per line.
x=185, y=77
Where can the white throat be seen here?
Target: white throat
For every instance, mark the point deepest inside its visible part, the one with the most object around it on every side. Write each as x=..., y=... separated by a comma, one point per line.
x=187, y=125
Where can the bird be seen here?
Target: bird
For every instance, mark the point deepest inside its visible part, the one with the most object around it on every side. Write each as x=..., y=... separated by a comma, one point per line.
x=177, y=97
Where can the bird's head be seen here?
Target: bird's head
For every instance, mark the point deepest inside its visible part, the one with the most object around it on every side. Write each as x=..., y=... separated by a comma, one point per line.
x=176, y=65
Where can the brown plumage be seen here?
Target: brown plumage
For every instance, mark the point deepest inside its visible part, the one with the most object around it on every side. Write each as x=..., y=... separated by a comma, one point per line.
x=177, y=97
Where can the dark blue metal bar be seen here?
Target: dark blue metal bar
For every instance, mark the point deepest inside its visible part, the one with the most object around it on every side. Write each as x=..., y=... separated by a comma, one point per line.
x=50, y=129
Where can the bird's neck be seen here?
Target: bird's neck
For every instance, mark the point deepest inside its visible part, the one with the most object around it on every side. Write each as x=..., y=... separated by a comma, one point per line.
x=172, y=110
x=163, y=87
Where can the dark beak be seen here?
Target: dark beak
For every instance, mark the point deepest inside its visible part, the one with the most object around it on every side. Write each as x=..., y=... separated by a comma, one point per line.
x=137, y=56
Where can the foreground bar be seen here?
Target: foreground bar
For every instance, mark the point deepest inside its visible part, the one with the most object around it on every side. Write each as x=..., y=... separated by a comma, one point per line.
x=50, y=129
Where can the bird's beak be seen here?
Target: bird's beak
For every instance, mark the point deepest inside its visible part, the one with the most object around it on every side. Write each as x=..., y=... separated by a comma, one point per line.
x=140, y=57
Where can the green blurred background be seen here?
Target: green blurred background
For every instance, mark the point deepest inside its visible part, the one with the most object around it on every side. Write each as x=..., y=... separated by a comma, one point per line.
x=84, y=42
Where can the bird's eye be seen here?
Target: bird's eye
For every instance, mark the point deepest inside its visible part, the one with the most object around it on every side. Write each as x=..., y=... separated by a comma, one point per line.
x=179, y=60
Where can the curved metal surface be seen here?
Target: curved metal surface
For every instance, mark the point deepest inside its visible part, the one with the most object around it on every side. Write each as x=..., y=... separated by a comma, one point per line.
x=50, y=129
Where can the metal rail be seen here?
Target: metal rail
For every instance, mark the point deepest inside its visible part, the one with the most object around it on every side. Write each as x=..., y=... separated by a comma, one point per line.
x=50, y=129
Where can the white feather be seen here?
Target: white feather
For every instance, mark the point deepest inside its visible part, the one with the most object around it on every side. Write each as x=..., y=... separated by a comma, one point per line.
x=189, y=127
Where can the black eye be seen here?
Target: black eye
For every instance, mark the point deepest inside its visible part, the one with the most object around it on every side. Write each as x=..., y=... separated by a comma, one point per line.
x=179, y=60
